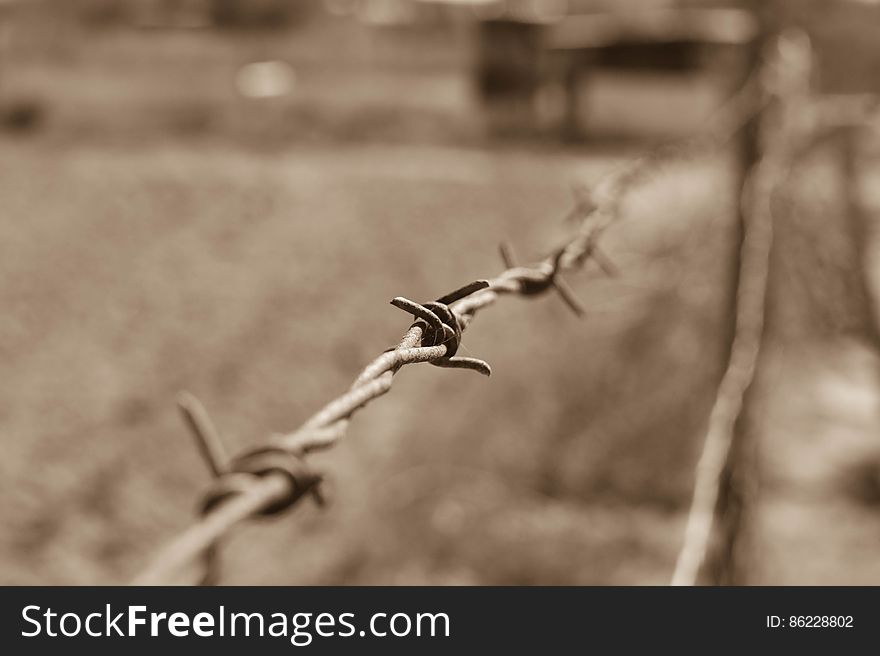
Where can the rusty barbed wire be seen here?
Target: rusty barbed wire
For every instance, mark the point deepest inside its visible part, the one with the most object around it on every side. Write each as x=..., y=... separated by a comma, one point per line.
x=274, y=476
x=787, y=83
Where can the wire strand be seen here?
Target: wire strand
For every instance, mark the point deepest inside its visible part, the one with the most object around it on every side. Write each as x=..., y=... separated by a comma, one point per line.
x=327, y=426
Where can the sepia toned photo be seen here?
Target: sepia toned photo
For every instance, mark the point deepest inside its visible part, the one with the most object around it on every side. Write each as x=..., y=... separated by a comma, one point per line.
x=440, y=293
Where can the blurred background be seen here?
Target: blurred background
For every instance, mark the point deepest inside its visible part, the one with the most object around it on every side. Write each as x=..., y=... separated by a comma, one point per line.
x=223, y=195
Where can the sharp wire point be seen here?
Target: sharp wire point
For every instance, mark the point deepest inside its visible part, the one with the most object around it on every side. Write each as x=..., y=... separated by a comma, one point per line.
x=463, y=292
x=507, y=254
x=609, y=268
x=420, y=311
x=208, y=439
x=569, y=297
x=474, y=364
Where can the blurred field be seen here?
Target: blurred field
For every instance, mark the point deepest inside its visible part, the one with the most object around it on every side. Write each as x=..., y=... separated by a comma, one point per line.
x=173, y=240
x=261, y=283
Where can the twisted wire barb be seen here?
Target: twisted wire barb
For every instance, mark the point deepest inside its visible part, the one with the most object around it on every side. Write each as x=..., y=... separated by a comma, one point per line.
x=274, y=484
x=329, y=424
x=789, y=70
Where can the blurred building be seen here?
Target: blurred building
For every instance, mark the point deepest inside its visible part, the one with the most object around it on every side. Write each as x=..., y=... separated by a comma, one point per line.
x=535, y=54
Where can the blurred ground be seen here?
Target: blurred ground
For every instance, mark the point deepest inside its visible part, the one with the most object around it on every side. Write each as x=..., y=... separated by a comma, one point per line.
x=163, y=233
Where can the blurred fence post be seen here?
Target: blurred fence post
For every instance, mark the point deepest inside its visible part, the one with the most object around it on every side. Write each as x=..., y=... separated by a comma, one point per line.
x=728, y=562
x=726, y=550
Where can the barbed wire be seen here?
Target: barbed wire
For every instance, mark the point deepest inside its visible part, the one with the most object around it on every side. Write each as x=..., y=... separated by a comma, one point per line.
x=272, y=477
x=786, y=80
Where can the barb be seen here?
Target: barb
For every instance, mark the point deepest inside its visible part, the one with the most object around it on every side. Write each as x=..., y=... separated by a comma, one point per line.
x=207, y=437
x=790, y=67
x=531, y=282
x=250, y=488
x=441, y=326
